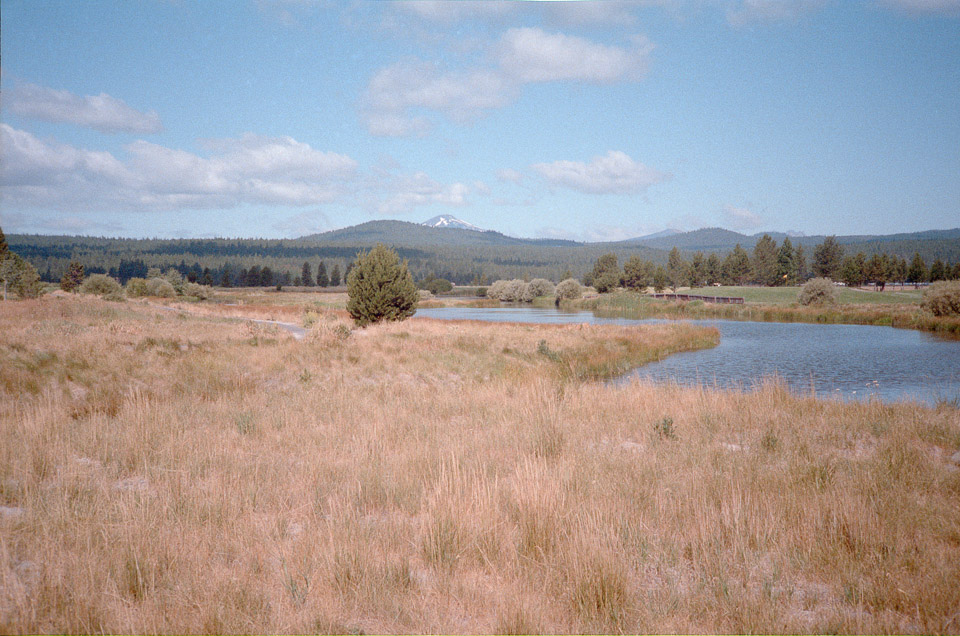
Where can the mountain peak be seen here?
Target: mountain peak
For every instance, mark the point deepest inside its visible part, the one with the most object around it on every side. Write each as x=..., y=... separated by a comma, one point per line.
x=448, y=220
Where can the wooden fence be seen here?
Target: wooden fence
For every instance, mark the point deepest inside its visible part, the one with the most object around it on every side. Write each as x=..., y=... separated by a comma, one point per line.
x=724, y=300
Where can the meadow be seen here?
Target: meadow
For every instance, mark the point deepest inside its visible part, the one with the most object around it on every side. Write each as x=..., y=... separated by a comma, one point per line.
x=190, y=471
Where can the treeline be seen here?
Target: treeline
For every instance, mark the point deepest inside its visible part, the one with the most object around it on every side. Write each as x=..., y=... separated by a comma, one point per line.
x=260, y=262
x=770, y=265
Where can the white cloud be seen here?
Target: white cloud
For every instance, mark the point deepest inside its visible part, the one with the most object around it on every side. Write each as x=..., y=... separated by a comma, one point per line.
x=615, y=173
x=740, y=218
x=100, y=112
x=532, y=55
x=251, y=169
x=393, y=102
x=411, y=191
x=397, y=89
x=510, y=176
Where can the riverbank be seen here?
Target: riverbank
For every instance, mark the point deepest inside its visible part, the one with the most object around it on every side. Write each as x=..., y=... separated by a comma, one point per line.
x=167, y=472
x=904, y=315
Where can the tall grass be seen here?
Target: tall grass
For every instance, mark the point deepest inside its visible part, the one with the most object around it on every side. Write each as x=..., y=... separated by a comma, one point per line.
x=905, y=316
x=168, y=473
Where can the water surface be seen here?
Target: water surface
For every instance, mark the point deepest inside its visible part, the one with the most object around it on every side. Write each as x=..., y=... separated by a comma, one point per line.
x=846, y=361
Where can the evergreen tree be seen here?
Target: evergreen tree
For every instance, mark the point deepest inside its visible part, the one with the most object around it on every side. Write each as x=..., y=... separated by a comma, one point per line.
x=854, y=269
x=322, y=280
x=917, y=272
x=335, y=275
x=266, y=277
x=937, y=271
x=712, y=274
x=4, y=248
x=380, y=287
x=800, y=261
x=698, y=270
x=786, y=267
x=207, y=277
x=637, y=274
x=226, y=278
x=736, y=266
x=876, y=270
x=606, y=264
x=659, y=279
x=828, y=259
x=764, y=261
x=252, y=279
x=73, y=277
x=676, y=269
x=306, y=275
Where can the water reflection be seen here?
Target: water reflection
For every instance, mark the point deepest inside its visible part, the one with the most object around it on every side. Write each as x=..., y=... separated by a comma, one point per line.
x=846, y=361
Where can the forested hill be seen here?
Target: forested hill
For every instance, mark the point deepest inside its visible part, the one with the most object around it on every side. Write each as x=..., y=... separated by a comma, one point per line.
x=402, y=233
x=462, y=256
x=931, y=244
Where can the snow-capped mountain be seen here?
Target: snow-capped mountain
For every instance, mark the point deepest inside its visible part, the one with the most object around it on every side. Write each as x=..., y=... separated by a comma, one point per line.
x=448, y=220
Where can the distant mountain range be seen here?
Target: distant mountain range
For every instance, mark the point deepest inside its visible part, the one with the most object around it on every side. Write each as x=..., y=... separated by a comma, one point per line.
x=449, y=231
x=717, y=239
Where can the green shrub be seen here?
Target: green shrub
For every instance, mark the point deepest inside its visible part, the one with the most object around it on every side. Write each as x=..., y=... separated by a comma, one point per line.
x=569, y=289
x=201, y=292
x=101, y=285
x=817, y=291
x=137, y=287
x=161, y=288
x=380, y=287
x=942, y=298
x=606, y=282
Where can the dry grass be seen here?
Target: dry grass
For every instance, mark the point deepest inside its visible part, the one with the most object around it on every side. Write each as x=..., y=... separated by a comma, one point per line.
x=163, y=472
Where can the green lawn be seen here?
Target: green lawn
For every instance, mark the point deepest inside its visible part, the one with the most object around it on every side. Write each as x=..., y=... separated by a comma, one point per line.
x=787, y=295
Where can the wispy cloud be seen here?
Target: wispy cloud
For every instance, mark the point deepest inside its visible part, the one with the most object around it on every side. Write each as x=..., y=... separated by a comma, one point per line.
x=398, y=94
x=400, y=194
x=614, y=173
x=740, y=218
x=532, y=55
x=100, y=112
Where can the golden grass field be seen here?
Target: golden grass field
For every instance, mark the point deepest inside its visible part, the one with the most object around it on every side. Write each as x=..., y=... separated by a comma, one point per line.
x=163, y=471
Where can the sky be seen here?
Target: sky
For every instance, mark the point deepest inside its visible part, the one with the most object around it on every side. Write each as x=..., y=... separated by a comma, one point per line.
x=590, y=121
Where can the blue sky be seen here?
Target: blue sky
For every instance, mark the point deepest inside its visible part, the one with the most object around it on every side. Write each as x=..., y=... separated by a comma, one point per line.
x=583, y=120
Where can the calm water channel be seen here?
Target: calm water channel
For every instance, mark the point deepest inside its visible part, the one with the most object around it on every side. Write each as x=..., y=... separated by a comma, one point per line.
x=846, y=361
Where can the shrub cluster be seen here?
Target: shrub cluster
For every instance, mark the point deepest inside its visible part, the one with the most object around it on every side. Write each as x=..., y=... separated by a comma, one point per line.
x=569, y=289
x=518, y=291
x=100, y=284
x=817, y=291
x=942, y=298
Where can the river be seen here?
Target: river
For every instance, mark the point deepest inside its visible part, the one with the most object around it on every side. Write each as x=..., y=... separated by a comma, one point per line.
x=851, y=362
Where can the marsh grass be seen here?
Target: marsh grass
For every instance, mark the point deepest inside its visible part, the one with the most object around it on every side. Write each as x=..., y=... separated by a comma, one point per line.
x=161, y=473
x=905, y=315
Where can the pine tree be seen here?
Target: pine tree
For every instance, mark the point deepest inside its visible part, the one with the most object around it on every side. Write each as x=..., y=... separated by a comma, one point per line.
x=322, y=280
x=335, y=275
x=786, y=267
x=4, y=248
x=306, y=275
x=828, y=259
x=764, y=261
x=72, y=278
x=800, y=262
x=917, y=272
x=380, y=287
